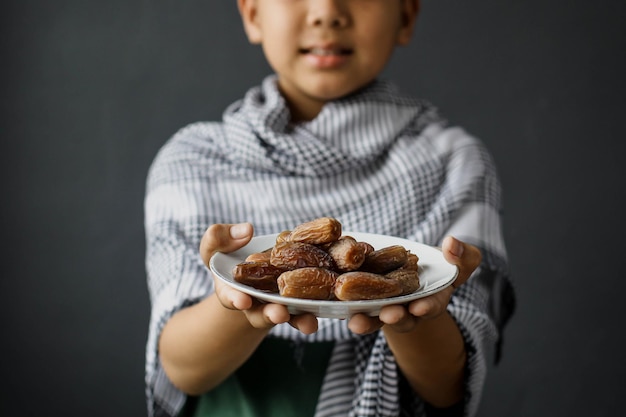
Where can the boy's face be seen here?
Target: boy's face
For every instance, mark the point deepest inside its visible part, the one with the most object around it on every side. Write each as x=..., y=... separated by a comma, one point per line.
x=325, y=49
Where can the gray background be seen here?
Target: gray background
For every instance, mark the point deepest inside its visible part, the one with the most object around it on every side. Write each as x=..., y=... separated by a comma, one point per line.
x=91, y=90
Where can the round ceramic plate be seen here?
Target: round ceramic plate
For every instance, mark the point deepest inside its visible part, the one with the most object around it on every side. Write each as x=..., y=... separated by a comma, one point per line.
x=435, y=274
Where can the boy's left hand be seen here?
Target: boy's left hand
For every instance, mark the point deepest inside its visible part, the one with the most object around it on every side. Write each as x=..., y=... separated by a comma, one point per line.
x=403, y=318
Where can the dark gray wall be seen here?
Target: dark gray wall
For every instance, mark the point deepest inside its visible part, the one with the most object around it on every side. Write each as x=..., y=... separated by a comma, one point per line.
x=91, y=90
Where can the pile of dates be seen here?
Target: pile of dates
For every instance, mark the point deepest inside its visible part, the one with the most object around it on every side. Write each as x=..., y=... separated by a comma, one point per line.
x=315, y=261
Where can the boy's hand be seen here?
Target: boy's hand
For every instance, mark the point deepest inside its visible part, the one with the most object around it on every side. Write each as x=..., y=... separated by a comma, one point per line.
x=403, y=318
x=228, y=238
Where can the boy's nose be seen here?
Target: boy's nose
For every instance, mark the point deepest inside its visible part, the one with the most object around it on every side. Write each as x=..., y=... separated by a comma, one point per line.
x=328, y=13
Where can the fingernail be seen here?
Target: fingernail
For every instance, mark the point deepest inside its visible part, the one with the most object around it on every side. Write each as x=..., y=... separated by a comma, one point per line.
x=457, y=248
x=238, y=231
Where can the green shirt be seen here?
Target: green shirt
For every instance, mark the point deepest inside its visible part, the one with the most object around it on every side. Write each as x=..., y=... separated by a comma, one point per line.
x=280, y=379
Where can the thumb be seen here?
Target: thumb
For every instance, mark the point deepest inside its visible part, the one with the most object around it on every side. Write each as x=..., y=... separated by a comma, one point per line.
x=465, y=256
x=224, y=238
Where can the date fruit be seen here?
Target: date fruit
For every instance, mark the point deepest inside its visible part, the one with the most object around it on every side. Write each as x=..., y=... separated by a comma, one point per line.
x=293, y=255
x=310, y=283
x=358, y=285
x=347, y=253
x=408, y=279
x=283, y=236
x=260, y=275
x=411, y=262
x=386, y=259
x=316, y=232
x=260, y=256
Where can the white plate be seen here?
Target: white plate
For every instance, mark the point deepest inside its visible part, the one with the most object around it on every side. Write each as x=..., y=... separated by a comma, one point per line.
x=435, y=274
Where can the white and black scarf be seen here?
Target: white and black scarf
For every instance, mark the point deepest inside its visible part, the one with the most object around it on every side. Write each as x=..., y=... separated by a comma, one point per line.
x=378, y=162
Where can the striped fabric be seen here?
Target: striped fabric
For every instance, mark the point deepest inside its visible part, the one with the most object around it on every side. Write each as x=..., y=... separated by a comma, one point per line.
x=378, y=162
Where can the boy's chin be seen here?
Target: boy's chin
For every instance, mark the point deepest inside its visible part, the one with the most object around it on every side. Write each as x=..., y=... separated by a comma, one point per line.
x=306, y=99
x=335, y=89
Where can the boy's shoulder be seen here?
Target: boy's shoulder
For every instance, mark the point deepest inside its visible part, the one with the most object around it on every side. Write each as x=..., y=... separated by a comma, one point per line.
x=198, y=138
x=198, y=134
x=190, y=146
x=451, y=137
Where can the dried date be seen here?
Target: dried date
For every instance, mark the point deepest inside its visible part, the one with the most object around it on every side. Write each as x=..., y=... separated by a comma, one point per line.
x=358, y=285
x=283, y=236
x=386, y=259
x=293, y=255
x=411, y=262
x=347, y=253
x=310, y=283
x=260, y=275
x=408, y=279
x=316, y=232
x=260, y=256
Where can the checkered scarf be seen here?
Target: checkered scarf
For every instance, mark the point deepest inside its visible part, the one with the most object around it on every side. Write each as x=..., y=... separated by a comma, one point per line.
x=377, y=161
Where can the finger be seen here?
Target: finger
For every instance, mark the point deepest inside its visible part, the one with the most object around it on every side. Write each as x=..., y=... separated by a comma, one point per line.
x=363, y=324
x=306, y=323
x=224, y=238
x=230, y=297
x=465, y=256
x=392, y=314
x=397, y=317
x=235, y=300
x=431, y=306
x=276, y=313
x=264, y=316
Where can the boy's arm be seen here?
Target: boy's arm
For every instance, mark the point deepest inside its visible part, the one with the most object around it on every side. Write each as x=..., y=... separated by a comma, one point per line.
x=425, y=340
x=432, y=358
x=201, y=345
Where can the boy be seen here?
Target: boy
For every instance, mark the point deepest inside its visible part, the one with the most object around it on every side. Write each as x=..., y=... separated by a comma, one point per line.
x=321, y=137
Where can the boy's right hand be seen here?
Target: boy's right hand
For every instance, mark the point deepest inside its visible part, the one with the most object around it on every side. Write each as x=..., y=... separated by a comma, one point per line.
x=228, y=238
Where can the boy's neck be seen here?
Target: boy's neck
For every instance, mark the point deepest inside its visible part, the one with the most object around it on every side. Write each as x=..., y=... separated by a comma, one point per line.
x=301, y=112
x=298, y=116
x=302, y=108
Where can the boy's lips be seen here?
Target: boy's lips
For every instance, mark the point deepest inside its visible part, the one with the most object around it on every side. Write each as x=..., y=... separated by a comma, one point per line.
x=316, y=50
x=326, y=56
